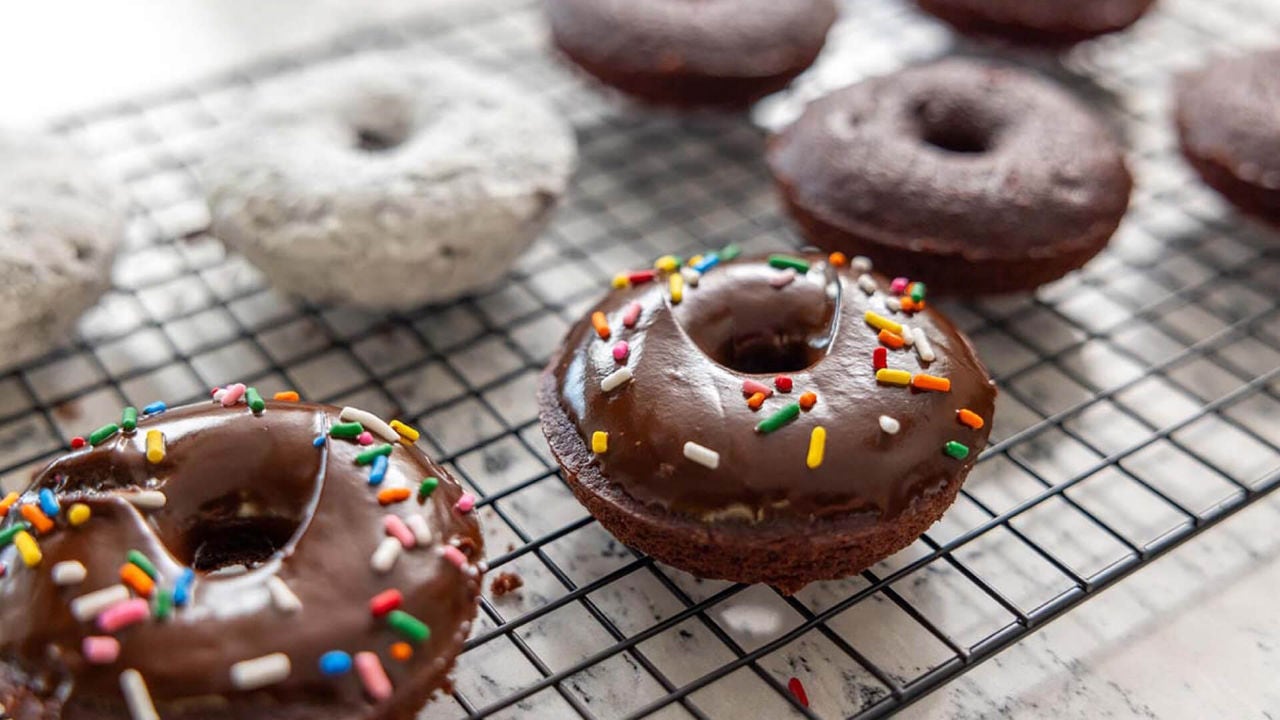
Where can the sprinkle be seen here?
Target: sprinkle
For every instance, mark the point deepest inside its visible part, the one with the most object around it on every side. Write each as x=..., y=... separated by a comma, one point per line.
x=378, y=472
x=385, y=556
x=368, y=456
x=49, y=502
x=34, y=515
x=798, y=691
x=77, y=442
x=783, y=383
x=391, y=496
x=908, y=305
x=28, y=548
x=923, y=347
x=867, y=284
x=373, y=676
x=916, y=291
x=97, y=437
x=807, y=401
x=466, y=503
x=335, y=662
x=260, y=672
x=218, y=394
x=838, y=259
x=155, y=408
x=406, y=432
x=619, y=281
x=90, y=605
x=282, y=596
x=621, y=350
x=7, y=535
x=890, y=376
x=182, y=588
x=428, y=486
x=817, y=447
x=100, y=649
x=123, y=614
x=639, y=277
x=599, y=442
x=370, y=422
x=898, y=286
x=454, y=556
x=140, y=582
x=711, y=260
x=778, y=419
x=78, y=514
x=162, y=604
x=421, y=532
x=68, y=572
x=233, y=394
x=890, y=425
x=970, y=418
x=254, y=398
x=783, y=279
x=956, y=450
x=784, y=262
x=667, y=263
x=891, y=339
x=632, y=314
x=908, y=338
x=346, y=430
x=751, y=387
x=409, y=627
x=8, y=502
x=893, y=303
x=676, y=284
x=880, y=358
x=155, y=447
x=129, y=419
x=396, y=528
x=755, y=401
x=601, y=324
x=144, y=563
x=146, y=499
x=729, y=252
x=286, y=396
x=401, y=651
x=318, y=442
x=702, y=455
x=365, y=438
x=616, y=379
x=880, y=322
x=931, y=382
x=861, y=263
x=136, y=696
x=691, y=276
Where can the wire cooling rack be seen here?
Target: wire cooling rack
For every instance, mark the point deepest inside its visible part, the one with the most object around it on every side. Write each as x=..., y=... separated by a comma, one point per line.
x=1139, y=406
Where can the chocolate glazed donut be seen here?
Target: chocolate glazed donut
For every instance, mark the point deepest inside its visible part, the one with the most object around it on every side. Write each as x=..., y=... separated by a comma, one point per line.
x=1038, y=23
x=217, y=562
x=973, y=178
x=741, y=428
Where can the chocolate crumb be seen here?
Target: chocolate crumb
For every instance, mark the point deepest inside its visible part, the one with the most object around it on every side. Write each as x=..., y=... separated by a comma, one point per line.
x=505, y=583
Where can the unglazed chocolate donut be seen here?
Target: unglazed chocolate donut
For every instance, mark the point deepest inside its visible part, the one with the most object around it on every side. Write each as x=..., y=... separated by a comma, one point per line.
x=781, y=421
x=246, y=559
x=1038, y=22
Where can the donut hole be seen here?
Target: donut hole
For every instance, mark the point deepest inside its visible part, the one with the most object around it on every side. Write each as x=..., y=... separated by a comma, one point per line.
x=762, y=353
x=375, y=140
x=251, y=541
x=953, y=125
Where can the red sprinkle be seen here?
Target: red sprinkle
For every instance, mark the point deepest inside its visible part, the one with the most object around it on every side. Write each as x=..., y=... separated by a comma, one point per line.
x=77, y=442
x=751, y=387
x=620, y=351
x=384, y=602
x=783, y=383
x=880, y=358
x=3, y=570
x=632, y=315
x=797, y=689
x=641, y=276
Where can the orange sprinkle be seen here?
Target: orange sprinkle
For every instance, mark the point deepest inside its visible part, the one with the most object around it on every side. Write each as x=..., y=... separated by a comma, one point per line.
x=808, y=400
x=755, y=401
x=892, y=339
x=38, y=519
x=286, y=396
x=401, y=651
x=134, y=577
x=7, y=503
x=970, y=418
x=908, y=305
x=931, y=382
x=601, y=324
x=838, y=259
x=394, y=495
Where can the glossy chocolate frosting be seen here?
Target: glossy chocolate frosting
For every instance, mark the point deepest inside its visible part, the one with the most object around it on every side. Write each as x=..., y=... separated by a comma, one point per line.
x=689, y=361
x=239, y=487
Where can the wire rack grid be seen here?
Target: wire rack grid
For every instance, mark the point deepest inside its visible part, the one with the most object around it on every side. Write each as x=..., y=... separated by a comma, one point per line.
x=1140, y=397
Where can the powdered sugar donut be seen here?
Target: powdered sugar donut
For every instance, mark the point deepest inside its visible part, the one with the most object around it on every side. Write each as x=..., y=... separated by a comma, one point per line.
x=387, y=185
x=60, y=226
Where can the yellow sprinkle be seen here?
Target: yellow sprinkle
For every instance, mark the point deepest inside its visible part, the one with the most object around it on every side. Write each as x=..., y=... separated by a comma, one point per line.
x=817, y=447
x=694, y=260
x=28, y=548
x=620, y=281
x=78, y=514
x=880, y=322
x=405, y=431
x=155, y=447
x=889, y=376
x=599, y=442
x=677, y=288
x=666, y=263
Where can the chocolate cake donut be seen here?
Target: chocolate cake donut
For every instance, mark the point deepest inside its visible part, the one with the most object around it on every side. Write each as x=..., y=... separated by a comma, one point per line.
x=972, y=178
x=778, y=420
x=726, y=53
x=1038, y=23
x=245, y=559
x=1228, y=117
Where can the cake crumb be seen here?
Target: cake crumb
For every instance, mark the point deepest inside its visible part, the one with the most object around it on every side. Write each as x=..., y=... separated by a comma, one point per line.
x=505, y=584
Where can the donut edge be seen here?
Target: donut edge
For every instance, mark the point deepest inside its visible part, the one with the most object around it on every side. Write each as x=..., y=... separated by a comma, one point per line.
x=1063, y=35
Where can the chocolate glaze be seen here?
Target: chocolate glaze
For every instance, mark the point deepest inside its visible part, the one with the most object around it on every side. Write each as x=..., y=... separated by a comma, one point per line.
x=687, y=362
x=1047, y=23
x=230, y=475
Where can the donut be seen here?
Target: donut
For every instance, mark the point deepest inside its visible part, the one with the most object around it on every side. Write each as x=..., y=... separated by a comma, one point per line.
x=388, y=186
x=1038, y=23
x=1228, y=117
x=248, y=558
x=725, y=53
x=60, y=227
x=973, y=178
x=771, y=420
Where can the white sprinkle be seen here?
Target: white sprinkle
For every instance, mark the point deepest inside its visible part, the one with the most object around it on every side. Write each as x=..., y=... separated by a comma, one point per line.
x=861, y=263
x=146, y=499
x=702, y=455
x=783, y=279
x=70, y=572
x=88, y=606
x=893, y=303
x=282, y=596
x=890, y=425
x=616, y=379
x=923, y=347
x=908, y=337
x=371, y=422
x=221, y=393
x=418, y=526
x=691, y=276
x=385, y=556
x=260, y=672
x=136, y=696
x=867, y=284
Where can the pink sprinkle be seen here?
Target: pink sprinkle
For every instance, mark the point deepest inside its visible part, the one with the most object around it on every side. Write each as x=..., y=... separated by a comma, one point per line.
x=373, y=675
x=4, y=570
x=751, y=387
x=234, y=393
x=466, y=503
x=123, y=614
x=620, y=351
x=899, y=285
x=396, y=528
x=218, y=394
x=365, y=438
x=783, y=279
x=455, y=556
x=100, y=649
x=783, y=383
x=632, y=315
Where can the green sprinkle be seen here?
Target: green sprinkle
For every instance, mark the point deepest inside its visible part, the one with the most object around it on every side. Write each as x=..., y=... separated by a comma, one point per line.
x=7, y=535
x=956, y=450
x=778, y=419
x=101, y=434
x=162, y=603
x=784, y=262
x=367, y=456
x=129, y=419
x=143, y=562
x=410, y=627
x=346, y=430
x=729, y=252
x=254, y=398
x=428, y=486
x=917, y=291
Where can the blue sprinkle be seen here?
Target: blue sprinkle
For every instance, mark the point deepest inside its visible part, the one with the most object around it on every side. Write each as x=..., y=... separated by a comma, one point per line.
x=707, y=262
x=335, y=662
x=49, y=503
x=155, y=408
x=182, y=588
x=379, y=471
x=319, y=441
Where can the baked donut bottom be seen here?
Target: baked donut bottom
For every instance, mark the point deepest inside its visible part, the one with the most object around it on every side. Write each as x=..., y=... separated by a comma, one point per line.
x=1260, y=202
x=1062, y=32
